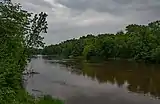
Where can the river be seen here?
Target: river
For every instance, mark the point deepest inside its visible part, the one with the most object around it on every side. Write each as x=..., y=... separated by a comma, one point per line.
x=111, y=82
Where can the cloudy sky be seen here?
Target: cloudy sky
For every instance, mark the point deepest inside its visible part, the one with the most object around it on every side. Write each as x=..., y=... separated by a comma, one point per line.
x=73, y=18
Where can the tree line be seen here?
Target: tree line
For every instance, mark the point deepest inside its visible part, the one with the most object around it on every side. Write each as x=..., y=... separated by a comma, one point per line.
x=138, y=42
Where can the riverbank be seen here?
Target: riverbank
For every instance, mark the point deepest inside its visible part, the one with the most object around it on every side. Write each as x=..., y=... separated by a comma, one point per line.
x=12, y=91
x=22, y=97
x=95, y=59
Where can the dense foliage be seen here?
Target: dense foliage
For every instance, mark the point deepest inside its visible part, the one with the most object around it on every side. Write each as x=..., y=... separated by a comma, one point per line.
x=138, y=42
x=19, y=32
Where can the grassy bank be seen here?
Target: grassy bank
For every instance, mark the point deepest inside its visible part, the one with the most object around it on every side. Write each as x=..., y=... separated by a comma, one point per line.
x=24, y=98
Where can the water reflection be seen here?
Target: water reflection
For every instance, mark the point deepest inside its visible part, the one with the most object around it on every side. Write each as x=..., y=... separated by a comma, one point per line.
x=141, y=78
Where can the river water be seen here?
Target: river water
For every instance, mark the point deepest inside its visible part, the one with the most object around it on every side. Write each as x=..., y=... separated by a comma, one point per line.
x=112, y=82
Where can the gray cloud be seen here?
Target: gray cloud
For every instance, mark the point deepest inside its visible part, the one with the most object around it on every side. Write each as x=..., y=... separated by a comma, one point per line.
x=112, y=6
x=73, y=18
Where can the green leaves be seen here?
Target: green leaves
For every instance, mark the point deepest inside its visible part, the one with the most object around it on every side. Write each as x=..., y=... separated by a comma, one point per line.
x=18, y=33
x=38, y=26
x=139, y=42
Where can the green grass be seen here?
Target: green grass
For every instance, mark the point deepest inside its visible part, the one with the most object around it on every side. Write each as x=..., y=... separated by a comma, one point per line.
x=49, y=100
x=22, y=97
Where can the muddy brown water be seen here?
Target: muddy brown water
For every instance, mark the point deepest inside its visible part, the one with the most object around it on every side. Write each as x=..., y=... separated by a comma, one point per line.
x=112, y=82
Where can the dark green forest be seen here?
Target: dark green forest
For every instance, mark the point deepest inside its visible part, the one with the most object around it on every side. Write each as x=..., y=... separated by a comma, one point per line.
x=19, y=33
x=136, y=42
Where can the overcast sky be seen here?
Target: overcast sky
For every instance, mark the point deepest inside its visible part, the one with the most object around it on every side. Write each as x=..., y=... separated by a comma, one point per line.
x=73, y=18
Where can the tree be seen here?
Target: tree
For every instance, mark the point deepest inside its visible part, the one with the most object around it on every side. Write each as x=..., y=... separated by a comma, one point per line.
x=18, y=32
x=139, y=42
